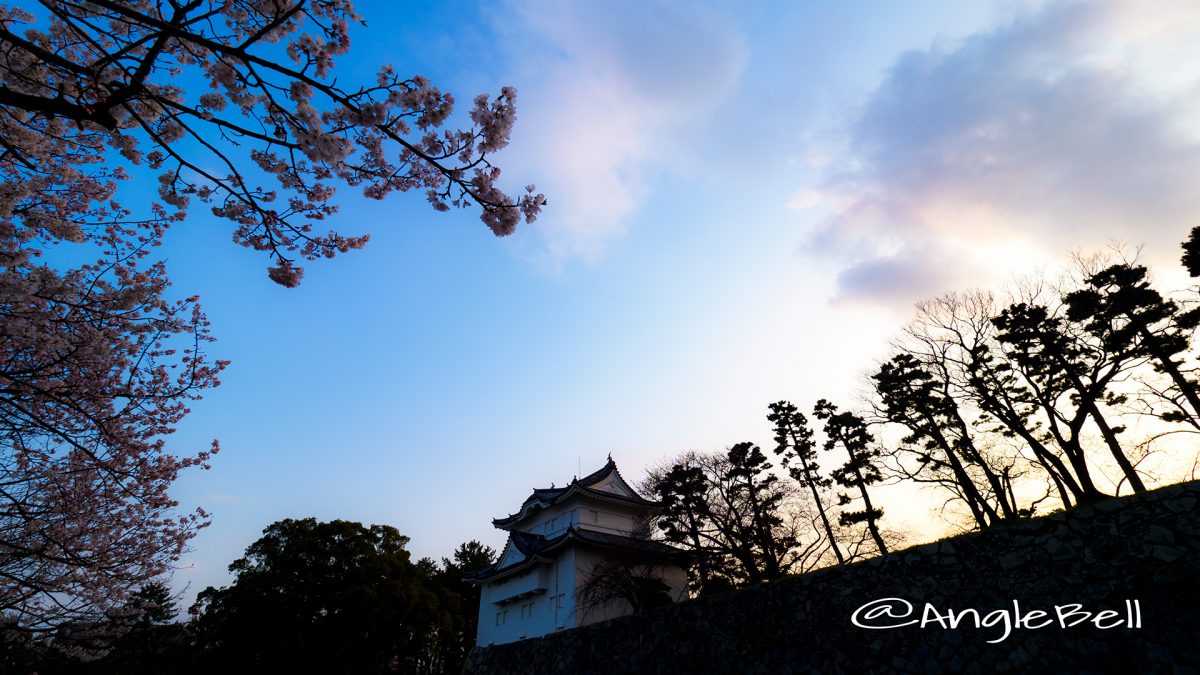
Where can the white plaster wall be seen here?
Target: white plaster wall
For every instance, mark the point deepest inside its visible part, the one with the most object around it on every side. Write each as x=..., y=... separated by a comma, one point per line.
x=673, y=576
x=606, y=518
x=585, y=562
x=603, y=516
x=548, y=610
x=553, y=520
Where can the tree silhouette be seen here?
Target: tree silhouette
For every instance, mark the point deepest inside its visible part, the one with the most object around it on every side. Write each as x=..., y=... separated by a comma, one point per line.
x=1064, y=372
x=332, y=597
x=470, y=556
x=850, y=431
x=731, y=511
x=140, y=637
x=148, y=638
x=954, y=337
x=626, y=575
x=762, y=545
x=1191, y=252
x=687, y=520
x=1005, y=398
x=912, y=398
x=1118, y=307
x=795, y=445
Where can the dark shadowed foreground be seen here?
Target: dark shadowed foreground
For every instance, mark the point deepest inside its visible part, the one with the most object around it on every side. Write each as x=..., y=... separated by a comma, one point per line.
x=1138, y=557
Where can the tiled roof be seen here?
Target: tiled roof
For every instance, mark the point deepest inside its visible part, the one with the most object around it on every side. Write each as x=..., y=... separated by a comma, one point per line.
x=534, y=545
x=549, y=494
x=545, y=497
x=647, y=545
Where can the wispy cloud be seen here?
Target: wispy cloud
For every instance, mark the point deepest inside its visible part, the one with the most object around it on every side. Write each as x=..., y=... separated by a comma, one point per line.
x=1064, y=128
x=611, y=94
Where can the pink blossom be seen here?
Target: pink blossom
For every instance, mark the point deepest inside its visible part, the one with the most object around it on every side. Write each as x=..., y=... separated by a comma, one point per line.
x=284, y=274
x=107, y=365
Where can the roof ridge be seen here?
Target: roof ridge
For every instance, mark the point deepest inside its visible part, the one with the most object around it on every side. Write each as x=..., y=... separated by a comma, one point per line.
x=599, y=474
x=546, y=497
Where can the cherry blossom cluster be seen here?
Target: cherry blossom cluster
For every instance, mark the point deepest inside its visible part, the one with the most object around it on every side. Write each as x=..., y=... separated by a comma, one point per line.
x=105, y=69
x=96, y=367
x=96, y=364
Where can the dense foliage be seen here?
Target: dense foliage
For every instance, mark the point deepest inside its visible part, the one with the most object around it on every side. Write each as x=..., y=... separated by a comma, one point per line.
x=308, y=596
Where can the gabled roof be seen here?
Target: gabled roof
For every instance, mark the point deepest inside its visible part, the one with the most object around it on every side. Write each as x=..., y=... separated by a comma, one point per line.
x=606, y=484
x=520, y=553
x=524, y=550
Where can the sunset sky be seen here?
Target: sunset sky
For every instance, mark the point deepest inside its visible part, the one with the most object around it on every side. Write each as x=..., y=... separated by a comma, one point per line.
x=746, y=198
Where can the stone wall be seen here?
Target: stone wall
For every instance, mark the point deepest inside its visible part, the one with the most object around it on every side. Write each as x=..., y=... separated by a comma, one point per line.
x=1144, y=549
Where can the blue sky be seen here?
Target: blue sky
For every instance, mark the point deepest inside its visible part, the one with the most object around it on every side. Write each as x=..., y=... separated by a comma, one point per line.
x=745, y=201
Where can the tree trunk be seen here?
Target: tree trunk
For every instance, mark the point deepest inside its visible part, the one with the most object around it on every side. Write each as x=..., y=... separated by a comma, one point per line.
x=871, y=526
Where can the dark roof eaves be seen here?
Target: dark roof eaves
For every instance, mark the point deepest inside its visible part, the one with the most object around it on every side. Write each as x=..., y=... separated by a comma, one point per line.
x=574, y=488
x=645, y=545
x=572, y=534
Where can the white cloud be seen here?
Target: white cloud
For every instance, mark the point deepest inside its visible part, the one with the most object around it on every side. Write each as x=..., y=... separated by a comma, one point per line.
x=612, y=92
x=1058, y=130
